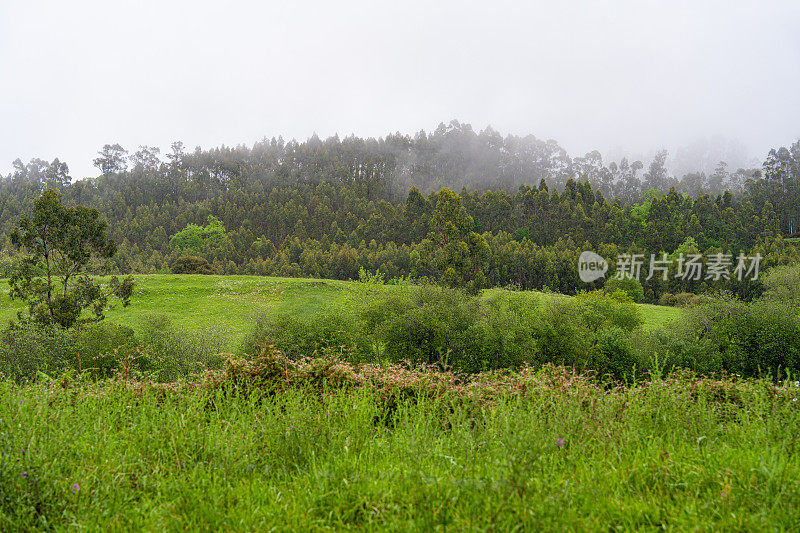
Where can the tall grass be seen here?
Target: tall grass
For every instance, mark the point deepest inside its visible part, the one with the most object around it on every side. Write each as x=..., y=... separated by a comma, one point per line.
x=559, y=453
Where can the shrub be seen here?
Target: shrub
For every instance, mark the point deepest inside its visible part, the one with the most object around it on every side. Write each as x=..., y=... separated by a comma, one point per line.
x=97, y=347
x=726, y=334
x=190, y=264
x=629, y=284
x=300, y=336
x=767, y=337
x=598, y=309
x=428, y=324
x=10, y=264
x=447, y=327
x=655, y=351
x=365, y=276
x=562, y=338
x=590, y=332
x=510, y=330
x=782, y=284
x=667, y=299
x=173, y=353
x=66, y=309
x=28, y=348
x=436, y=326
x=684, y=299
x=613, y=353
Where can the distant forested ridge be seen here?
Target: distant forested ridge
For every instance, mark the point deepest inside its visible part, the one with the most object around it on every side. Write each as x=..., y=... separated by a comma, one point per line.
x=495, y=210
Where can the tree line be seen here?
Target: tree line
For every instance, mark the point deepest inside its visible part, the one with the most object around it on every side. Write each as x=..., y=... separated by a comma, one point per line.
x=524, y=211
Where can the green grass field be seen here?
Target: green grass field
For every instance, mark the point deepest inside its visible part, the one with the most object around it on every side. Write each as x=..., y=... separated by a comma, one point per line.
x=308, y=450
x=231, y=304
x=564, y=456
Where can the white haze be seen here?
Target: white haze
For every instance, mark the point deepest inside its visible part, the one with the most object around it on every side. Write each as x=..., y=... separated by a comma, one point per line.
x=623, y=77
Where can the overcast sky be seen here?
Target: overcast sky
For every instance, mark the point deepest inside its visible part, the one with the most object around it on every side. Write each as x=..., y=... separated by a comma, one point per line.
x=634, y=76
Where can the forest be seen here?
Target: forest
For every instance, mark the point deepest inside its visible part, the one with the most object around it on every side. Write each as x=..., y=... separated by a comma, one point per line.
x=467, y=209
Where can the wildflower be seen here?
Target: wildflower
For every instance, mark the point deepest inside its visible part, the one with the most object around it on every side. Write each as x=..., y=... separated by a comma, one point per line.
x=560, y=442
x=24, y=474
x=75, y=488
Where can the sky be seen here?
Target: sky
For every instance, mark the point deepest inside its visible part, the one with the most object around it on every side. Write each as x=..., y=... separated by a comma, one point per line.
x=623, y=77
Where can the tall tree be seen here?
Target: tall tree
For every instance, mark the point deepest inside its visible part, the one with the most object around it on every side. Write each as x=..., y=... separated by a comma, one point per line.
x=113, y=159
x=60, y=241
x=657, y=175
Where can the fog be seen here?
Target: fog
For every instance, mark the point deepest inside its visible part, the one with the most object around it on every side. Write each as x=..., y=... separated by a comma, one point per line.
x=627, y=78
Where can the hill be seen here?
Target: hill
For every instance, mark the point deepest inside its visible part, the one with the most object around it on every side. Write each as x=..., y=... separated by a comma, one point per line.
x=228, y=306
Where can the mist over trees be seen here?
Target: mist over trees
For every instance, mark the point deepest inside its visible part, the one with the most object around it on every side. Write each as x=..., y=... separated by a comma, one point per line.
x=521, y=207
x=453, y=155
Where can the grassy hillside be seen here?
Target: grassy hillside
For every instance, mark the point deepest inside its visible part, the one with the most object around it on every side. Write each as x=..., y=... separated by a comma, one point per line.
x=230, y=304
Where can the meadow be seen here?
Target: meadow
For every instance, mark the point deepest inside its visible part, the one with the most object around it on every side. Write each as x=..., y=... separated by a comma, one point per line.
x=229, y=305
x=279, y=430
x=315, y=447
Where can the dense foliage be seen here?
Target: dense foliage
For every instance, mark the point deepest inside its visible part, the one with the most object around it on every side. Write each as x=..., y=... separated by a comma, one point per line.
x=329, y=208
x=373, y=323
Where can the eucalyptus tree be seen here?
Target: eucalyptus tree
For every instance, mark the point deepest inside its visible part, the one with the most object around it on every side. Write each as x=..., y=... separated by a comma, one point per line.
x=59, y=243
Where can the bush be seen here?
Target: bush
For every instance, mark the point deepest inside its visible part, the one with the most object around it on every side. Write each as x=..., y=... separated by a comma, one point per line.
x=598, y=309
x=613, y=354
x=767, y=339
x=98, y=347
x=630, y=285
x=299, y=336
x=448, y=327
x=726, y=334
x=510, y=327
x=190, y=264
x=173, y=353
x=428, y=324
x=656, y=351
x=590, y=332
x=782, y=284
x=365, y=276
x=10, y=264
x=684, y=299
x=562, y=338
x=29, y=348
x=66, y=309
x=435, y=325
